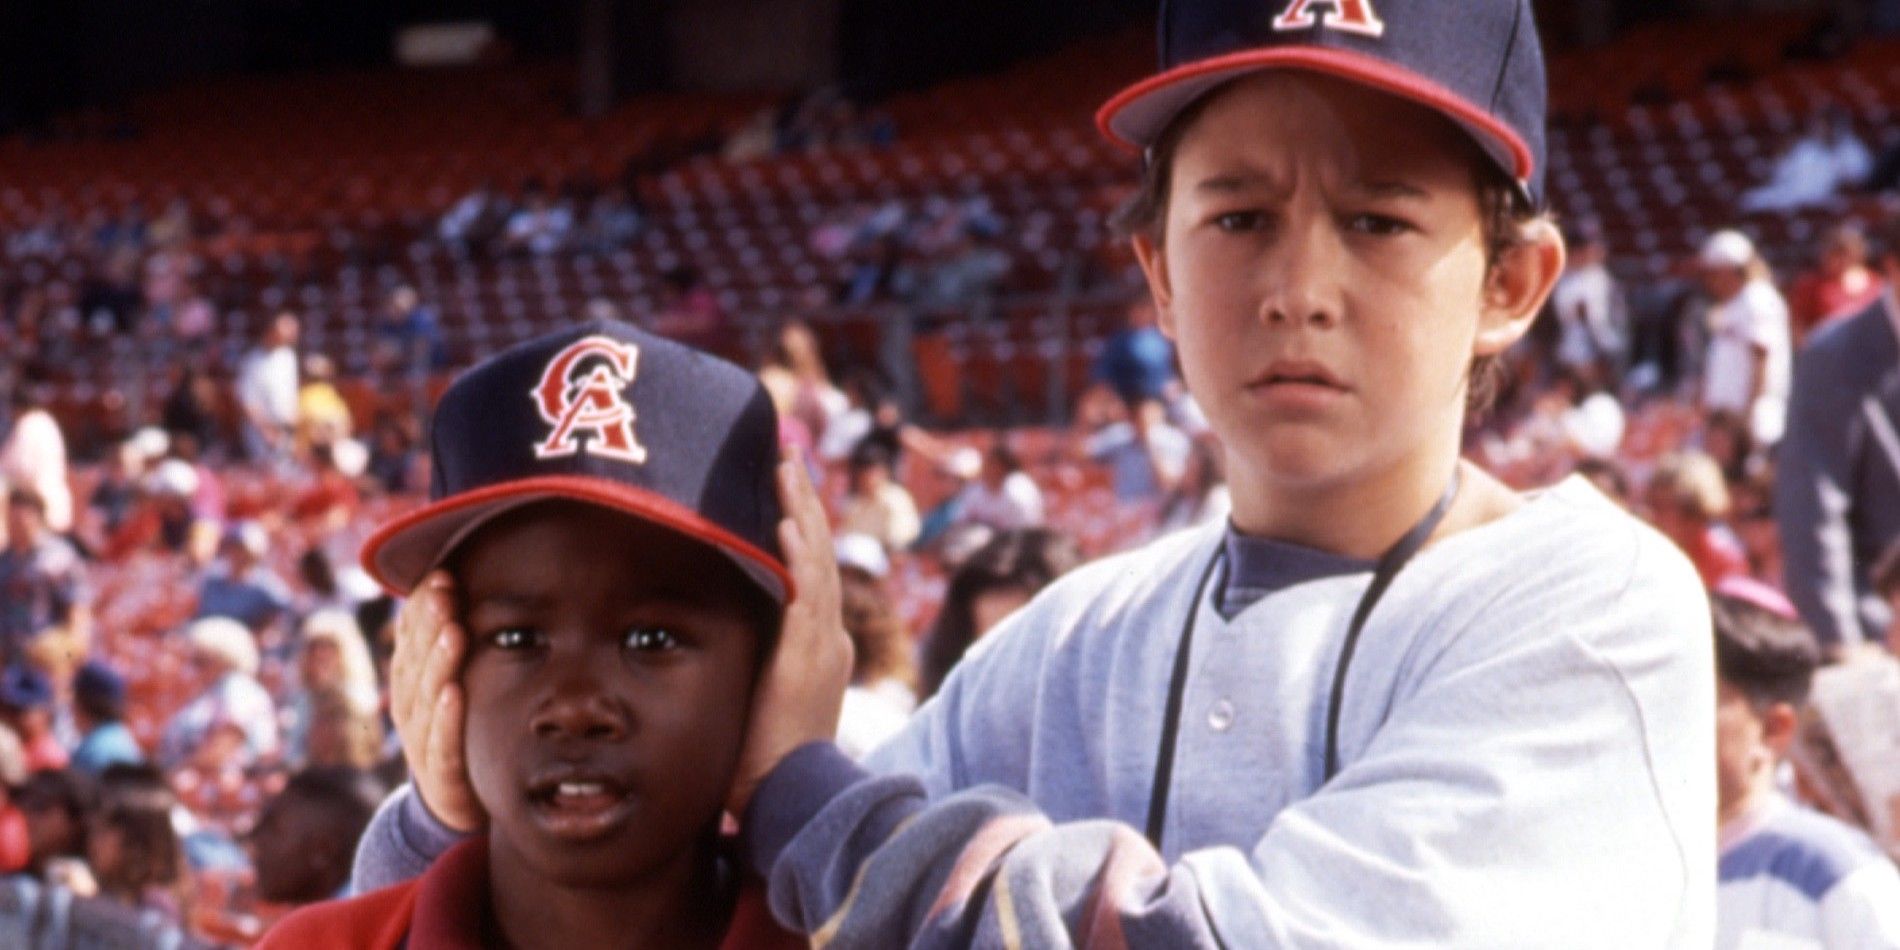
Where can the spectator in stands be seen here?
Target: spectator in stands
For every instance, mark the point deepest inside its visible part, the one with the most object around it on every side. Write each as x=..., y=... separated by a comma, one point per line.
x=613, y=221
x=224, y=659
x=469, y=221
x=1145, y=453
x=240, y=585
x=1592, y=316
x=1137, y=362
x=334, y=656
x=1837, y=484
x=800, y=367
x=191, y=405
x=99, y=699
x=1787, y=874
x=989, y=585
x=876, y=503
x=57, y=805
x=960, y=276
x=306, y=837
x=322, y=415
x=1201, y=495
x=215, y=783
x=34, y=455
x=1827, y=160
x=267, y=391
x=883, y=687
x=541, y=226
x=26, y=707
x=117, y=492
x=1746, y=371
x=1002, y=495
x=43, y=589
x=1840, y=285
x=1688, y=500
x=340, y=734
x=408, y=333
x=135, y=856
x=394, y=458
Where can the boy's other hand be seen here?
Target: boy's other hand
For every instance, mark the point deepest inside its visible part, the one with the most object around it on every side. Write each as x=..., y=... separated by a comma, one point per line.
x=426, y=701
x=802, y=689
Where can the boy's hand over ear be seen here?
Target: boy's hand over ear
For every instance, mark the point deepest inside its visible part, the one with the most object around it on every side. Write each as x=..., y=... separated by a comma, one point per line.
x=425, y=699
x=802, y=689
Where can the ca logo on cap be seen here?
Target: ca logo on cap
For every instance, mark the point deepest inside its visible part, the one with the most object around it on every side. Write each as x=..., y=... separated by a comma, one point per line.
x=1351, y=16
x=583, y=390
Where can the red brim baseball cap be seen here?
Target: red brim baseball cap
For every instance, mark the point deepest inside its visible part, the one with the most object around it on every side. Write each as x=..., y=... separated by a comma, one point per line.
x=605, y=414
x=1476, y=62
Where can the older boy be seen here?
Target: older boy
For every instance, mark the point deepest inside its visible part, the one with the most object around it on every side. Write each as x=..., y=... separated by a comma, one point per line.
x=1503, y=743
x=604, y=502
x=1788, y=874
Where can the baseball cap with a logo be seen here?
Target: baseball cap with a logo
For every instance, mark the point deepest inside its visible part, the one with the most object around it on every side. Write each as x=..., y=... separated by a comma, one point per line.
x=607, y=414
x=1477, y=62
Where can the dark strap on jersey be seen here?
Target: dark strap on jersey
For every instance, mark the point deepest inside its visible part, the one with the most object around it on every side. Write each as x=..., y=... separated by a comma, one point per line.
x=1383, y=574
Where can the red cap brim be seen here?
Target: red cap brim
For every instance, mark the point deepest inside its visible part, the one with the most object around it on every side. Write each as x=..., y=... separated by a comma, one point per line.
x=406, y=549
x=1137, y=116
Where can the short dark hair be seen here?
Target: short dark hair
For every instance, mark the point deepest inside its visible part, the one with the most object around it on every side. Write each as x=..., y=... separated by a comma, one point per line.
x=21, y=496
x=1769, y=657
x=1503, y=213
x=868, y=455
x=344, y=797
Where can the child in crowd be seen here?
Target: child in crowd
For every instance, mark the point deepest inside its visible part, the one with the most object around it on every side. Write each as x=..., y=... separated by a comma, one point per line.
x=604, y=508
x=1789, y=876
x=99, y=715
x=1389, y=700
x=304, y=840
x=1688, y=501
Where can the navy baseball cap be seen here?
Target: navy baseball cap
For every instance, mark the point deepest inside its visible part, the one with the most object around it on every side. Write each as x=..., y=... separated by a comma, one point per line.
x=611, y=415
x=1477, y=62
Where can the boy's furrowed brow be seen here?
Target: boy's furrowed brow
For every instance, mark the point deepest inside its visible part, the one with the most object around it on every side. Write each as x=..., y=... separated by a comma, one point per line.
x=1232, y=183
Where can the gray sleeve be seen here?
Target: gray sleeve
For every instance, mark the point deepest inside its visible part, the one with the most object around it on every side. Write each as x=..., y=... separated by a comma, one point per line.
x=1812, y=502
x=856, y=860
x=400, y=843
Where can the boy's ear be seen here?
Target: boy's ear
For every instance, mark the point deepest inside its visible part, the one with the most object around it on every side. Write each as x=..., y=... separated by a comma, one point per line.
x=1778, y=728
x=1154, y=267
x=1517, y=286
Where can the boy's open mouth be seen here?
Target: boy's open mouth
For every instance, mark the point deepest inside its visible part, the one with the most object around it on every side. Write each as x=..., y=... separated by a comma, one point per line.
x=576, y=805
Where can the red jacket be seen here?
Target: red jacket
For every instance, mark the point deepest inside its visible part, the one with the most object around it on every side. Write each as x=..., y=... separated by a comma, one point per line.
x=444, y=908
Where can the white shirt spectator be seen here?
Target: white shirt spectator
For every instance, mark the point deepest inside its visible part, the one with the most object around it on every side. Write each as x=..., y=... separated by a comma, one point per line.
x=1589, y=316
x=35, y=457
x=1791, y=878
x=1135, y=464
x=889, y=516
x=1756, y=318
x=267, y=385
x=1016, y=503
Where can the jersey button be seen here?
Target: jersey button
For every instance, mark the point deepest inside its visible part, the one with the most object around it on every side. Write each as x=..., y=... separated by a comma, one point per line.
x=1220, y=717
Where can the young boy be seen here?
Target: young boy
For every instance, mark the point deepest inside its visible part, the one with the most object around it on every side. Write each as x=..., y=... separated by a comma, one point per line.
x=1503, y=743
x=603, y=500
x=1788, y=875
